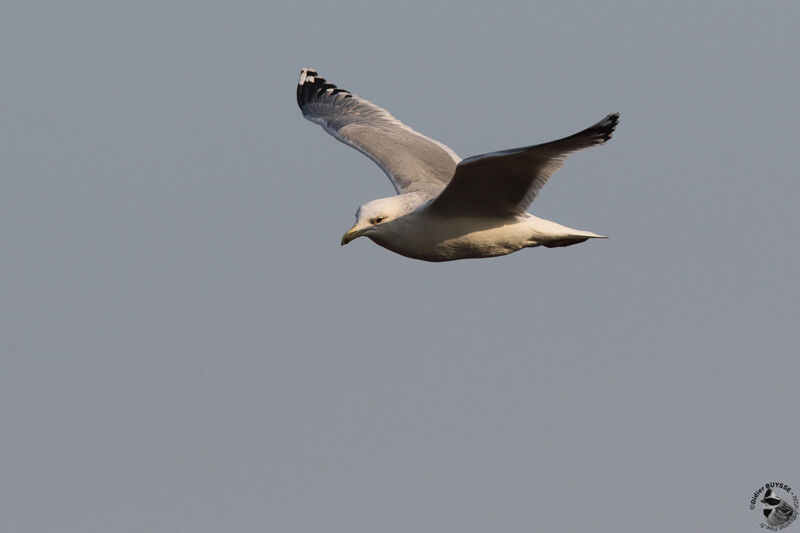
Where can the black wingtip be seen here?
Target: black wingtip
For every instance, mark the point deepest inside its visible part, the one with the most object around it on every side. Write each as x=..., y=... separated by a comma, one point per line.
x=605, y=128
x=308, y=78
x=312, y=85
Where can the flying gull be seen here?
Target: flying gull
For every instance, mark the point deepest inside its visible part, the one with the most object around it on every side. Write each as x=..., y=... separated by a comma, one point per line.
x=446, y=208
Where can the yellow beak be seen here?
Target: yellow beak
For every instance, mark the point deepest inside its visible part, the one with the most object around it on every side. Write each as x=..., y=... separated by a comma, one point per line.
x=354, y=233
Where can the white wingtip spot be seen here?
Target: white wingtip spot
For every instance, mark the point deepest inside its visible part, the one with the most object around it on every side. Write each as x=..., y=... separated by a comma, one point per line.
x=306, y=74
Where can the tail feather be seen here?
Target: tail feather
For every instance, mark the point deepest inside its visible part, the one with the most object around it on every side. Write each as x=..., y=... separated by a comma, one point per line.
x=576, y=238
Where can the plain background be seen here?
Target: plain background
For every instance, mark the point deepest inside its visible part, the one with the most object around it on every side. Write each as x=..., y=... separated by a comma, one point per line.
x=187, y=348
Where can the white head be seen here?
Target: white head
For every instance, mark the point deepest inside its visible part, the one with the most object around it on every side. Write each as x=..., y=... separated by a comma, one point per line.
x=371, y=217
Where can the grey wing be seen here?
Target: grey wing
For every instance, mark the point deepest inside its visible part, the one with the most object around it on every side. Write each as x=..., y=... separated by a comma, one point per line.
x=504, y=182
x=412, y=161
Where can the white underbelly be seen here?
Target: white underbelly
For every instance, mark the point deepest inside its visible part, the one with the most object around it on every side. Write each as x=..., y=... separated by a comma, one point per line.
x=447, y=240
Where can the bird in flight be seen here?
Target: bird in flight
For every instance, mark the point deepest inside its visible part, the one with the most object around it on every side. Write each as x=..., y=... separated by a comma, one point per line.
x=446, y=208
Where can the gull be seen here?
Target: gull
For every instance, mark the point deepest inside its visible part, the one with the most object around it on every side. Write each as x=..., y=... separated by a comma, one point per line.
x=446, y=208
x=776, y=511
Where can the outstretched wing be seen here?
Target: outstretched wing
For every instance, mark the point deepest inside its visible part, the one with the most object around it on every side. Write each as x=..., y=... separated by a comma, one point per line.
x=505, y=182
x=412, y=161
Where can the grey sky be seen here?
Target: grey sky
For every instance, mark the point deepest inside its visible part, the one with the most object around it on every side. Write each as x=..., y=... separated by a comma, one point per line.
x=186, y=347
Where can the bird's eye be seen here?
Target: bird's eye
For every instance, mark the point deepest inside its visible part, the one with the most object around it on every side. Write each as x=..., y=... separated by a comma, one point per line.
x=377, y=220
